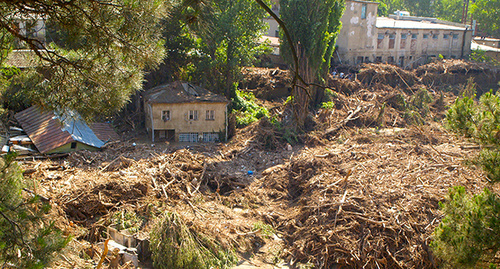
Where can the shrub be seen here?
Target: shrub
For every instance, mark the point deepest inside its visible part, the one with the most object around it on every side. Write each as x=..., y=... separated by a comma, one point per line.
x=175, y=245
x=27, y=240
x=246, y=110
x=469, y=234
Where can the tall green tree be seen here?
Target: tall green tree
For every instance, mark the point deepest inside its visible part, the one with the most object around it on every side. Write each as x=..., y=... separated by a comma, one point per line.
x=228, y=31
x=313, y=26
x=487, y=13
x=98, y=53
x=449, y=10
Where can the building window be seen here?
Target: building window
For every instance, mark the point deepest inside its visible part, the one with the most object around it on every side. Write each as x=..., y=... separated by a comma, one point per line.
x=359, y=60
x=445, y=36
x=380, y=39
x=414, y=36
x=455, y=36
x=210, y=115
x=363, y=11
x=435, y=36
x=193, y=114
x=390, y=59
x=426, y=36
x=165, y=115
x=378, y=59
x=367, y=59
x=73, y=145
x=403, y=41
x=392, y=38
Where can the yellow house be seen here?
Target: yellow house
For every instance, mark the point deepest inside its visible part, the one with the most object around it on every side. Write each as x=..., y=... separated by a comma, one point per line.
x=184, y=112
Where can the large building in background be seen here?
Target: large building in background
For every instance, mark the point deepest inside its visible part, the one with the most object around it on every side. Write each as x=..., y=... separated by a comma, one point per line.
x=399, y=39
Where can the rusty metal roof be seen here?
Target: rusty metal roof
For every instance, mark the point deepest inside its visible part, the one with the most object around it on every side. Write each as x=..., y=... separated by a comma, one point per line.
x=104, y=131
x=49, y=131
x=181, y=92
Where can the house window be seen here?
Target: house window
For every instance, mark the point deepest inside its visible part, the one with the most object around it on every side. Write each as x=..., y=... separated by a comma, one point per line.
x=363, y=11
x=445, y=36
x=380, y=39
x=193, y=114
x=414, y=36
x=426, y=36
x=455, y=36
x=390, y=59
x=403, y=41
x=392, y=38
x=73, y=145
x=434, y=36
x=165, y=115
x=210, y=115
x=378, y=59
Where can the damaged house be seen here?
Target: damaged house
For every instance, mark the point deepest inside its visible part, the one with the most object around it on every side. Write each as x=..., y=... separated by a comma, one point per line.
x=51, y=132
x=184, y=112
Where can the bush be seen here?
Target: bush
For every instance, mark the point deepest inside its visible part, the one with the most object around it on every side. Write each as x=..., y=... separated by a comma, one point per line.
x=175, y=245
x=246, y=109
x=470, y=231
x=27, y=240
x=469, y=234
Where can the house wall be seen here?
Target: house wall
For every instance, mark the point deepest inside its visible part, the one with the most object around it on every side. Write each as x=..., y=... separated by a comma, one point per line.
x=179, y=118
x=273, y=24
x=358, y=31
x=67, y=148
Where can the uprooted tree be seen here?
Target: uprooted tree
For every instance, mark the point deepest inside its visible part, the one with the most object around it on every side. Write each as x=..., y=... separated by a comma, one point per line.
x=469, y=234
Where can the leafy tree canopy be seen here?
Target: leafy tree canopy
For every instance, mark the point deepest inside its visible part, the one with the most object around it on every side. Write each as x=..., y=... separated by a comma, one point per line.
x=487, y=13
x=97, y=49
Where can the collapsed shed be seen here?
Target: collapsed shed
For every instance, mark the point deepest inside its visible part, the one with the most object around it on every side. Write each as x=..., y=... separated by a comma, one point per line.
x=52, y=132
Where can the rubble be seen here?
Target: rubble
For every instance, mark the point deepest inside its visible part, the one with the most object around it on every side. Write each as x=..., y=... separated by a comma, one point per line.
x=361, y=191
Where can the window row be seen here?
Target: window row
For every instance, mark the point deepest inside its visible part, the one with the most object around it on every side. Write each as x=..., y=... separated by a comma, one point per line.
x=193, y=115
x=415, y=36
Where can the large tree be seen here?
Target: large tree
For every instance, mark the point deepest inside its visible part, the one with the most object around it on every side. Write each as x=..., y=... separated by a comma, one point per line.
x=312, y=26
x=487, y=13
x=100, y=51
x=449, y=10
x=228, y=31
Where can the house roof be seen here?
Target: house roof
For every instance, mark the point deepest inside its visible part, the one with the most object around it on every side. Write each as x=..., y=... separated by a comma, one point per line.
x=181, y=92
x=22, y=59
x=476, y=46
x=49, y=130
x=416, y=23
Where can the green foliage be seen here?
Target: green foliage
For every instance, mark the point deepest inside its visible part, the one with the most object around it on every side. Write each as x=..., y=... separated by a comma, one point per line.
x=481, y=57
x=127, y=220
x=175, y=245
x=98, y=51
x=470, y=231
x=420, y=101
x=246, y=109
x=265, y=229
x=448, y=10
x=228, y=32
x=486, y=13
x=328, y=105
x=481, y=122
x=27, y=240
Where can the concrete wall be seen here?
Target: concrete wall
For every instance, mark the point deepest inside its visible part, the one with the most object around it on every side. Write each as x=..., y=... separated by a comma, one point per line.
x=179, y=118
x=419, y=45
x=273, y=24
x=358, y=31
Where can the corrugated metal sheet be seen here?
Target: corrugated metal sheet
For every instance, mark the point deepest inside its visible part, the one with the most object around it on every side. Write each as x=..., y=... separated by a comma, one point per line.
x=43, y=128
x=49, y=131
x=104, y=131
